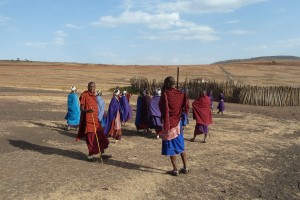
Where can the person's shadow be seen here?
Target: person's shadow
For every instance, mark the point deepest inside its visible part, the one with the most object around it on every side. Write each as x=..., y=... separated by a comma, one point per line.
x=24, y=145
x=61, y=129
x=47, y=150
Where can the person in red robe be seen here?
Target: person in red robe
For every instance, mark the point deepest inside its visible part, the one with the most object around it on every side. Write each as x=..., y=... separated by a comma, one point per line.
x=89, y=124
x=172, y=103
x=202, y=114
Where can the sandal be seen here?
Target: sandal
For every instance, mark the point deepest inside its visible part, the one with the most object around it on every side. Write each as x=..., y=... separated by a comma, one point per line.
x=184, y=170
x=173, y=173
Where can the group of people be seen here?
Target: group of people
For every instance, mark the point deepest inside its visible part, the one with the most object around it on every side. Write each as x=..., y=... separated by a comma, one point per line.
x=166, y=112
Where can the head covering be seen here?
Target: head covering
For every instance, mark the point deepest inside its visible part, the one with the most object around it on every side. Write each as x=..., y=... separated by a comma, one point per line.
x=124, y=92
x=99, y=92
x=73, y=88
x=116, y=92
x=158, y=91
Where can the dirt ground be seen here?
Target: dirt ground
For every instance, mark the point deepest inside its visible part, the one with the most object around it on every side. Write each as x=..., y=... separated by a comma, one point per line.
x=252, y=153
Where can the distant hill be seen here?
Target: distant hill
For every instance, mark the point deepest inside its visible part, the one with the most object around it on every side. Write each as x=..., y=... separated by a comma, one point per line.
x=259, y=58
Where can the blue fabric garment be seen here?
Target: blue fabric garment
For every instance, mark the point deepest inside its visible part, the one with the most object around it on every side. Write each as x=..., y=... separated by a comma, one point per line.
x=101, y=107
x=184, y=119
x=113, y=109
x=138, y=111
x=125, y=110
x=174, y=146
x=73, y=115
x=104, y=121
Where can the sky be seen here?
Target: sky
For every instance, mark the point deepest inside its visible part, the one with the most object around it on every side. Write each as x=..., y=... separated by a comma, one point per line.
x=147, y=32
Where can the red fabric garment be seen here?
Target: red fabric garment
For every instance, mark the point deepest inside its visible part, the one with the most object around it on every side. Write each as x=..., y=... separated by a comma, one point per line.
x=92, y=143
x=201, y=110
x=88, y=121
x=128, y=95
x=172, y=103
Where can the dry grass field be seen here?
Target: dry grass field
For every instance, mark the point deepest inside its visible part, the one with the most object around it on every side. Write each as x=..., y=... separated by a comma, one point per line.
x=253, y=151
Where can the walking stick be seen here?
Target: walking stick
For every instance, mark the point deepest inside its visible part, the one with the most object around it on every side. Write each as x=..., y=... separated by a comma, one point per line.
x=97, y=138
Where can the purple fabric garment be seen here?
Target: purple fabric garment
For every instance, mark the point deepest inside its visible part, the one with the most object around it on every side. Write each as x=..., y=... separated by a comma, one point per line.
x=125, y=109
x=221, y=105
x=211, y=97
x=201, y=129
x=154, y=112
x=113, y=109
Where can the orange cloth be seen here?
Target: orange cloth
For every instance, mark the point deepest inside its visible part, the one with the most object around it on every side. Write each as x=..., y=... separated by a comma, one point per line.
x=88, y=121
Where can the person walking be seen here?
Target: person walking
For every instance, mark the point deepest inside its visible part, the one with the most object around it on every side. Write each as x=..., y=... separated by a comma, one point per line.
x=202, y=115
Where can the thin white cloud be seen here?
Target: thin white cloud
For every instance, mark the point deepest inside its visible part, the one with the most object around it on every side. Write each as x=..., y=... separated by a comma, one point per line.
x=109, y=53
x=73, y=26
x=263, y=46
x=58, y=40
x=155, y=21
x=204, y=6
x=291, y=42
x=202, y=33
x=60, y=33
x=174, y=28
x=240, y=32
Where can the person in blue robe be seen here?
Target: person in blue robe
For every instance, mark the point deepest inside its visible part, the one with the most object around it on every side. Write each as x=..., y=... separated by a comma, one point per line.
x=73, y=114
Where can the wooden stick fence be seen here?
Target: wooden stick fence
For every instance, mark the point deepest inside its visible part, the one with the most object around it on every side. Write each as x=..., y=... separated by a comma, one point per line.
x=243, y=94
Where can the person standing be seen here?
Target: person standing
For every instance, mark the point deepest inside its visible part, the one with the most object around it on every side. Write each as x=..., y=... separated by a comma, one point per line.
x=89, y=127
x=113, y=127
x=185, y=113
x=73, y=114
x=138, y=111
x=221, y=105
x=101, y=108
x=125, y=108
x=154, y=112
x=171, y=104
x=211, y=97
x=142, y=110
x=202, y=114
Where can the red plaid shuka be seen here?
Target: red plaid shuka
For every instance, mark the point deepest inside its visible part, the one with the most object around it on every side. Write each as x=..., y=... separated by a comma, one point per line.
x=88, y=121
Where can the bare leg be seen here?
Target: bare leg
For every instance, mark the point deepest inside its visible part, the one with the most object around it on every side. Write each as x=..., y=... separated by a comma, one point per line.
x=183, y=158
x=193, y=139
x=204, y=139
x=173, y=161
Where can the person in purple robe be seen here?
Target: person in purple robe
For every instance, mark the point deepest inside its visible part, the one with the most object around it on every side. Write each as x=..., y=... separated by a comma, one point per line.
x=143, y=107
x=113, y=127
x=138, y=111
x=125, y=108
x=221, y=105
x=154, y=113
x=211, y=97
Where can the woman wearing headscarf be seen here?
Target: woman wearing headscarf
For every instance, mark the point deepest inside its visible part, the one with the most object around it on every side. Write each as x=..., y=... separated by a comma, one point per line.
x=73, y=114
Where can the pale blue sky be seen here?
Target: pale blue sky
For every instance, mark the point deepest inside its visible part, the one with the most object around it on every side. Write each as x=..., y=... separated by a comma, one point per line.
x=168, y=32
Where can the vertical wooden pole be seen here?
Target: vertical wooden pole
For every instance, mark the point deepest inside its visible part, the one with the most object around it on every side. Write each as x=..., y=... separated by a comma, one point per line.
x=177, y=78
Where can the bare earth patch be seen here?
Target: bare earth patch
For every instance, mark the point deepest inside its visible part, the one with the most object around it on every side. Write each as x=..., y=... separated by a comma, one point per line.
x=252, y=153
